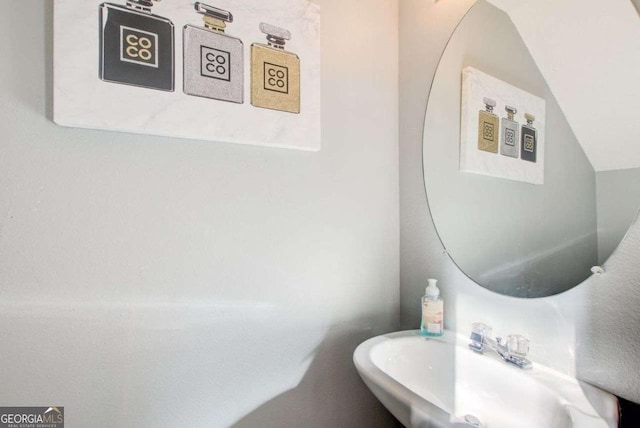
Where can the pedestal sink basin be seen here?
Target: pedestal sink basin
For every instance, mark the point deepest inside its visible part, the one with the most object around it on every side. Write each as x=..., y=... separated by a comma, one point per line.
x=439, y=382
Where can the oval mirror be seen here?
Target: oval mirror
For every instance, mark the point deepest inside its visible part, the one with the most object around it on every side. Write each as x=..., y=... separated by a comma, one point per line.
x=525, y=205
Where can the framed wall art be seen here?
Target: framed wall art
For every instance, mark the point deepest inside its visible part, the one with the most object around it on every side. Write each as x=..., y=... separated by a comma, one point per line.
x=502, y=129
x=238, y=71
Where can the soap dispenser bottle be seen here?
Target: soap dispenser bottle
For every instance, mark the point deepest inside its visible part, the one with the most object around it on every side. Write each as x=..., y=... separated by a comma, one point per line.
x=432, y=311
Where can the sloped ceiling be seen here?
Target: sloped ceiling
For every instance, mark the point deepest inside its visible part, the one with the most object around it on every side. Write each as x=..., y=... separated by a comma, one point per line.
x=589, y=53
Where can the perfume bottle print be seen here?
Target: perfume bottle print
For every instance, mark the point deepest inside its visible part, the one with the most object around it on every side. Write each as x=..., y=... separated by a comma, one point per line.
x=488, y=127
x=213, y=61
x=136, y=46
x=275, y=73
x=510, y=130
x=529, y=143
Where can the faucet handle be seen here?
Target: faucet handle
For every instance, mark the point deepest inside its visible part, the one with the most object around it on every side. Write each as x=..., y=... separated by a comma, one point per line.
x=481, y=328
x=478, y=333
x=518, y=345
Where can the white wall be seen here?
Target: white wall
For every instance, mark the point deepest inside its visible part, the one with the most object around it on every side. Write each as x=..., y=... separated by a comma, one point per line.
x=150, y=281
x=589, y=331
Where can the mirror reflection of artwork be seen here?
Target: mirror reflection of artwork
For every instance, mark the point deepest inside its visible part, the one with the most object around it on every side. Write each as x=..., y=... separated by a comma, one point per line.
x=488, y=128
x=529, y=139
x=498, y=146
x=510, y=130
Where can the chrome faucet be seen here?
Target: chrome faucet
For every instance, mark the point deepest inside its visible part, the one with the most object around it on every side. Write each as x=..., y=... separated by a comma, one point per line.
x=513, y=352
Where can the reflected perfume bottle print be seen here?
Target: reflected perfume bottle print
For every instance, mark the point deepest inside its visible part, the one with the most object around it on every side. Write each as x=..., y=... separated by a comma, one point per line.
x=213, y=61
x=510, y=131
x=529, y=143
x=136, y=46
x=488, y=127
x=275, y=72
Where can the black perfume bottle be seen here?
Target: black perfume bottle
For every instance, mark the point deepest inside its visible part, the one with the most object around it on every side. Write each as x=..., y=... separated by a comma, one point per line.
x=136, y=46
x=529, y=143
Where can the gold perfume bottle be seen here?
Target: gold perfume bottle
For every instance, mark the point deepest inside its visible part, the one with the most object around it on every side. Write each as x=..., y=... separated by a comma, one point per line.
x=136, y=46
x=488, y=128
x=275, y=73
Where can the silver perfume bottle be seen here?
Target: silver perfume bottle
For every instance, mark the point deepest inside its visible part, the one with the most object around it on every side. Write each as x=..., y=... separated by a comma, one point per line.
x=213, y=61
x=510, y=129
x=529, y=143
x=136, y=46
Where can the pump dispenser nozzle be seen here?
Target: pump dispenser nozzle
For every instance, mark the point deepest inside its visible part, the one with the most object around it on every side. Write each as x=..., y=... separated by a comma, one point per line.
x=432, y=290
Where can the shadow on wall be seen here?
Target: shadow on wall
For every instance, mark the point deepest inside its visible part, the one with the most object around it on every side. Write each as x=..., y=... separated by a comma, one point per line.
x=331, y=393
x=168, y=364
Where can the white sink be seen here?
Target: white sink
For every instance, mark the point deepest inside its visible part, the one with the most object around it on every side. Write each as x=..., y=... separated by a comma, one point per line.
x=438, y=382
